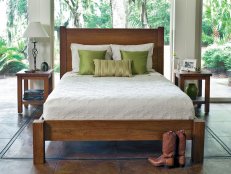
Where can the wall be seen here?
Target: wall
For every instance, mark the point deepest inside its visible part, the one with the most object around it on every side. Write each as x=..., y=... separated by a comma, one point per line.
x=42, y=11
x=187, y=30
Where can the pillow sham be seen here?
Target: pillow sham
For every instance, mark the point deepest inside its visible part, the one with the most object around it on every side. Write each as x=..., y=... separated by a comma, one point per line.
x=139, y=60
x=75, y=55
x=110, y=68
x=86, y=65
x=142, y=47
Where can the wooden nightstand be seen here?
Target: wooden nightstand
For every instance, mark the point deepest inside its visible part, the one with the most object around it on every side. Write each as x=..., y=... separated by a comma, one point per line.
x=38, y=75
x=181, y=76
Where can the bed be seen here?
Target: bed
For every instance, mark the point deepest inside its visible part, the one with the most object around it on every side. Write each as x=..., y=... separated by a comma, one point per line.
x=61, y=125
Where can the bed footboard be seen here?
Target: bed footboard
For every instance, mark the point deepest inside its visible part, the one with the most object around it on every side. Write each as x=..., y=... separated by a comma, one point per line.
x=117, y=130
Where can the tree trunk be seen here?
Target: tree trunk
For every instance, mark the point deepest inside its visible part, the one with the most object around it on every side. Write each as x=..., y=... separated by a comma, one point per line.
x=111, y=12
x=10, y=20
x=144, y=16
x=119, y=13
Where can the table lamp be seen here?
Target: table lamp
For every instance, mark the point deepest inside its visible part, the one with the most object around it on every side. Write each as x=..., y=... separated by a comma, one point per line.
x=33, y=31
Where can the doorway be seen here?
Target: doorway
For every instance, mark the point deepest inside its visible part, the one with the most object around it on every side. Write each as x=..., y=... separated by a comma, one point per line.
x=216, y=47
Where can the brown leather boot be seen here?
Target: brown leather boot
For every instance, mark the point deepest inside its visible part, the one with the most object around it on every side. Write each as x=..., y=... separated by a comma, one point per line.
x=168, y=150
x=181, y=139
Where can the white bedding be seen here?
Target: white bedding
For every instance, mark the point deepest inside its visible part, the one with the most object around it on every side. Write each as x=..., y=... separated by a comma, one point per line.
x=149, y=96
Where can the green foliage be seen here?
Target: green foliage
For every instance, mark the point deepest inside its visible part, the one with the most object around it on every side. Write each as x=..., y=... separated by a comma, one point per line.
x=11, y=58
x=216, y=24
x=98, y=15
x=16, y=19
x=22, y=7
x=207, y=32
x=158, y=14
x=218, y=57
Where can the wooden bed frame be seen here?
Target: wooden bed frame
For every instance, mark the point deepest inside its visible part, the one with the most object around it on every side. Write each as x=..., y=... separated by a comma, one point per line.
x=116, y=130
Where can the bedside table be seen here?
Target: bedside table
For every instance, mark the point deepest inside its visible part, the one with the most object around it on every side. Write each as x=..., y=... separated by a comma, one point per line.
x=181, y=76
x=38, y=75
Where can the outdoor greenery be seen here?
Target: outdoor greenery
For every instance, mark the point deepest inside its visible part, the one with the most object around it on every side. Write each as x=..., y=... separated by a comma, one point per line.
x=216, y=24
x=12, y=59
x=12, y=45
x=218, y=59
x=111, y=14
x=216, y=31
x=105, y=14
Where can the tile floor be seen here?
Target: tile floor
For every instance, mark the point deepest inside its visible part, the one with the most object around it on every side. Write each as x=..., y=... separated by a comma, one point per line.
x=104, y=157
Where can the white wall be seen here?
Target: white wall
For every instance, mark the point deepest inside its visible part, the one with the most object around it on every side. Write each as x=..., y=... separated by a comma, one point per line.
x=187, y=31
x=42, y=11
x=184, y=42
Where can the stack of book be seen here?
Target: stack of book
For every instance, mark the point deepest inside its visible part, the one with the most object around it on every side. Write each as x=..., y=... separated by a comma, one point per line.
x=33, y=94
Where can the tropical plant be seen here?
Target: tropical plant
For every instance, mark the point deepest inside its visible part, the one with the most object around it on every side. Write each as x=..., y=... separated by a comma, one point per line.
x=216, y=24
x=12, y=59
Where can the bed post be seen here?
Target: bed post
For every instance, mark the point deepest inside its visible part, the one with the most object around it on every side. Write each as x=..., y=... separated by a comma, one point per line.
x=198, y=141
x=38, y=142
x=63, y=52
x=160, y=50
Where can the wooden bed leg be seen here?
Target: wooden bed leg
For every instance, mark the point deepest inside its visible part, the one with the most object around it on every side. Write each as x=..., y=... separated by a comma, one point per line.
x=198, y=141
x=38, y=142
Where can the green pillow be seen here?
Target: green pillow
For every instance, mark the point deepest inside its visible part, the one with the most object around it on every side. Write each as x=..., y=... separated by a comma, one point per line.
x=139, y=60
x=109, y=68
x=86, y=64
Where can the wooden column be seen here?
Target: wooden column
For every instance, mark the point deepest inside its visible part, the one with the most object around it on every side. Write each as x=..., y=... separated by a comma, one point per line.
x=198, y=141
x=38, y=142
x=207, y=94
x=19, y=84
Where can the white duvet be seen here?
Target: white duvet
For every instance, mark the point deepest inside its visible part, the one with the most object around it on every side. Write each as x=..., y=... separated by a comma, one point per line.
x=150, y=96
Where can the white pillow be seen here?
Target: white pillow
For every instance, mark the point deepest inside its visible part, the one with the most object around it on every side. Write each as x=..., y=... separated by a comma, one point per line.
x=143, y=47
x=75, y=54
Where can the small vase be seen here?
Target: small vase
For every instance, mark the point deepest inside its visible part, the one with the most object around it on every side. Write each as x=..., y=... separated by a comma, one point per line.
x=192, y=91
x=44, y=66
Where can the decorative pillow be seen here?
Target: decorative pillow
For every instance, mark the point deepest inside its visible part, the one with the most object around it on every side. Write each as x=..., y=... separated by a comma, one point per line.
x=142, y=47
x=87, y=66
x=117, y=68
x=75, y=55
x=139, y=60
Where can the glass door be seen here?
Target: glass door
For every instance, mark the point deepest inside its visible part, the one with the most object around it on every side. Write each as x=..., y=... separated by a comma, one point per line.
x=216, y=46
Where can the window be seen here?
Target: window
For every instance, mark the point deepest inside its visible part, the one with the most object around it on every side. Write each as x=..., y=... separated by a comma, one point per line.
x=112, y=14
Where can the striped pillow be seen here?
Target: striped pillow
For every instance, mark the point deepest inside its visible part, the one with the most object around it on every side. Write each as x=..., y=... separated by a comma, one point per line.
x=109, y=68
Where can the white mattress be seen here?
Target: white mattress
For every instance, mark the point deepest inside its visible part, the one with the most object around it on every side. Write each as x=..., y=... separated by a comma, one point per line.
x=149, y=96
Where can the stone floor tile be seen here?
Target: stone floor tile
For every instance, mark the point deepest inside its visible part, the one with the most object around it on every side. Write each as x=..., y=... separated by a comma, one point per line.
x=220, y=128
x=226, y=141
x=22, y=166
x=8, y=130
x=3, y=143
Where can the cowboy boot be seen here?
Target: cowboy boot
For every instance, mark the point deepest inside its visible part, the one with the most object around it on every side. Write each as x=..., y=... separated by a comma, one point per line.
x=168, y=151
x=181, y=138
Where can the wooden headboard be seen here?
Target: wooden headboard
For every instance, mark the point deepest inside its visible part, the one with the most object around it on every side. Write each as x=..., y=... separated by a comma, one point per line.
x=111, y=36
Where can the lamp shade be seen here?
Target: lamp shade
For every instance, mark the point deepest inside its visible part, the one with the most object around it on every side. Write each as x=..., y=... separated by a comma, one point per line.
x=35, y=30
